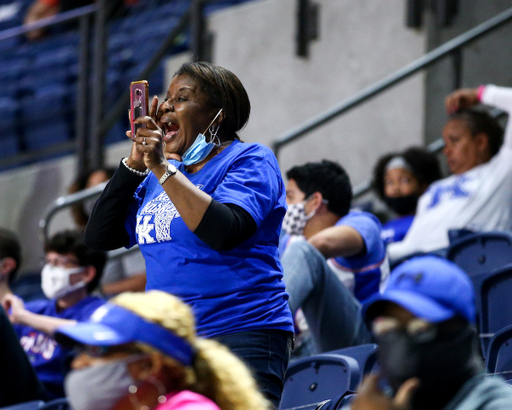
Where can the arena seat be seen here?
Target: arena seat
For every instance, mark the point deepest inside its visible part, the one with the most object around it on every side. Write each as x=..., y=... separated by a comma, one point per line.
x=30, y=405
x=315, y=379
x=499, y=355
x=57, y=404
x=495, y=310
x=481, y=252
x=365, y=355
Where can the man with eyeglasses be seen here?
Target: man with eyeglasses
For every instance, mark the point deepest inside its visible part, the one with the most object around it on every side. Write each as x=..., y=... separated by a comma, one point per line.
x=428, y=345
x=71, y=273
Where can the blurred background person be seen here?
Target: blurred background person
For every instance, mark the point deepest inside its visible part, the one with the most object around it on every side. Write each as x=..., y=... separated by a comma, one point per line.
x=478, y=195
x=141, y=351
x=71, y=273
x=399, y=179
x=10, y=260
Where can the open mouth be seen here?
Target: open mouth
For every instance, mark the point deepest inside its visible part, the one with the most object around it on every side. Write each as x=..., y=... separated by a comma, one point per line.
x=170, y=129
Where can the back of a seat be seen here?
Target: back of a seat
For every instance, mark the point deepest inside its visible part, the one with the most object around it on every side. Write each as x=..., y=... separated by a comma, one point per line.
x=30, y=405
x=495, y=311
x=317, y=378
x=499, y=354
x=482, y=252
x=365, y=355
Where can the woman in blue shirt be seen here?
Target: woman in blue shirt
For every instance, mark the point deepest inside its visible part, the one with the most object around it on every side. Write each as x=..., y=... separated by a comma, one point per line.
x=208, y=220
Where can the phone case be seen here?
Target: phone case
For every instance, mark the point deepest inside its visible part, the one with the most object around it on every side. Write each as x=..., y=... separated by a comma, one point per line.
x=139, y=99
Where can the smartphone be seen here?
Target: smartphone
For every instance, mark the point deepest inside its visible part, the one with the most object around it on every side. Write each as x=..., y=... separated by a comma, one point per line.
x=139, y=99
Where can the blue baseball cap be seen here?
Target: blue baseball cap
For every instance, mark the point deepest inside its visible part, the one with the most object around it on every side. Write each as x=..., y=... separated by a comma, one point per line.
x=431, y=288
x=112, y=325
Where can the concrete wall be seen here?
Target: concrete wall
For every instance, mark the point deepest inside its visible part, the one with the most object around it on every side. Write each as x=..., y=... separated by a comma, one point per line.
x=487, y=60
x=361, y=41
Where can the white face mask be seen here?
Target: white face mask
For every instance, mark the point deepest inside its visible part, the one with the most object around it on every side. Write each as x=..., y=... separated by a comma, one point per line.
x=55, y=281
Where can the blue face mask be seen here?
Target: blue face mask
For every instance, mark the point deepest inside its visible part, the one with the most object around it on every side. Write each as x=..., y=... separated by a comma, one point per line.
x=200, y=149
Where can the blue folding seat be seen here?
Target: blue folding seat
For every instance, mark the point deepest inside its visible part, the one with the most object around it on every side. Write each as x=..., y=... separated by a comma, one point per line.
x=30, y=405
x=481, y=252
x=57, y=404
x=495, y=310
x=365, y=355
x=314, y=379
x=499, y=355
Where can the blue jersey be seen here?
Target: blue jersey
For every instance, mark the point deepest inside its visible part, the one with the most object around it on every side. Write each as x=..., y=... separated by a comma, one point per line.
x=396, y=229
x=49, y=359
x=229, y=291
x=363, y=274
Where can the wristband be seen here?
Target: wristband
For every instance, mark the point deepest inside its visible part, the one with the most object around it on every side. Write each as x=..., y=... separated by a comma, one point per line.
x=481, y=90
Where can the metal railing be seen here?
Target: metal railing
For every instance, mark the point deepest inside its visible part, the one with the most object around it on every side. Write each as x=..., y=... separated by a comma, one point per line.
x=452, y=48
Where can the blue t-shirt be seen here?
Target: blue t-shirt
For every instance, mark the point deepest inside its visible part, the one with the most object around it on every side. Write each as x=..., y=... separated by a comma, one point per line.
x=49, y=359
x=363, y=274
x=229, y=291
x=396, y=229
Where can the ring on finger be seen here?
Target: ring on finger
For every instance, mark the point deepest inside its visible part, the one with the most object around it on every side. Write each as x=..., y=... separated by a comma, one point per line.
x=144, y=142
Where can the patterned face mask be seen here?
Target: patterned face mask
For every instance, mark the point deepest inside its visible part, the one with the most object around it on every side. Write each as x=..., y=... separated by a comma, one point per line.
x=296, y=218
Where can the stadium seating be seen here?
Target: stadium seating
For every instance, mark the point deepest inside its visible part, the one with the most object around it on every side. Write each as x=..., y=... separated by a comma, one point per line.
x=30, y=405
x=494, y=310
x=499, y=355
x=312, y=380
x=39, y=77
x=365, y=355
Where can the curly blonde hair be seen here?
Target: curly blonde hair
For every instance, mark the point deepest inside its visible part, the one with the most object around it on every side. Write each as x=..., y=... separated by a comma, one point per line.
x=215, y=373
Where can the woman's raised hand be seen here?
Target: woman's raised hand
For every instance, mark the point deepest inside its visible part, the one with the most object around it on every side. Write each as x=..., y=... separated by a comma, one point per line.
x=136, y=158
x=460, y=99
x=148, y=141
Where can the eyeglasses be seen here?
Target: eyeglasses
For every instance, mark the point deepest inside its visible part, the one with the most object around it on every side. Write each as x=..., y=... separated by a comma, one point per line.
x=418, y=329
x=60, y=261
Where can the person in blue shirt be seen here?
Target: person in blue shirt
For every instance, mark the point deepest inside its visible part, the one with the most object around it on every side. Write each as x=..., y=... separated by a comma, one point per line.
x=399, y=179
x=332, y=258
x=208, y=221
x=71, y=273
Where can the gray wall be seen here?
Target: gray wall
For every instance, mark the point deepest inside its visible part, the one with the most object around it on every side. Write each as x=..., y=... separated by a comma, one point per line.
x=361, y=41
x=488, y=60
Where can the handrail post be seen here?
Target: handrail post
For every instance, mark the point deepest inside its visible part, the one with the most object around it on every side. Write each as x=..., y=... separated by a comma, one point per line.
x=197, y=30
x=98, y=90
x=456, y=57
x=82, y=101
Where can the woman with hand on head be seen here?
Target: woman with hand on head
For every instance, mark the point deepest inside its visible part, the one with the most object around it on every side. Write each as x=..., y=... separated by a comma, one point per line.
x=140, y=351
x=399, y=180
x=208, y=221
x=478, y=194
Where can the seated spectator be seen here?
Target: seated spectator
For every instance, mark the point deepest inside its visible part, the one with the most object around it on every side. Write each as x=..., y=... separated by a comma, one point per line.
x=332, y=258
x=141, y=351
x=399, y=180
x=428, y=346
x=478, y=196
x=72, y=271
x=10, y=260
x=18, y=381
x=125, y=274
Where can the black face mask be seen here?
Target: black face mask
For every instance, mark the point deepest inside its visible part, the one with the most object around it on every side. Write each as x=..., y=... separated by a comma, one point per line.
x=442, y=365
x=402, y=205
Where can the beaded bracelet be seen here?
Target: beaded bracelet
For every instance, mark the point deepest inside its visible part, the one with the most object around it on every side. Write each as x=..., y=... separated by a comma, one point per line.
x=136, y=172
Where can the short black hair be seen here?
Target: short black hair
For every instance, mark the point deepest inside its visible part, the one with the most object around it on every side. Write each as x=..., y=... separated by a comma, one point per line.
x=327, y=177
x=224, y=90
x=423, y=163
x=479, y=121
x=72, y=242
x=10, y=248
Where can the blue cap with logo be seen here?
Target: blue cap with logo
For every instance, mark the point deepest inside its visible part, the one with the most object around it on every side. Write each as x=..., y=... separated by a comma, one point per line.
x=431, y=288
x=111, y=325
